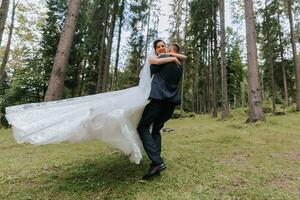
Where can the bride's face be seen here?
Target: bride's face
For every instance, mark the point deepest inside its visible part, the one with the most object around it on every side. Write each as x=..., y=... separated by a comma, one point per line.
x=160, y=48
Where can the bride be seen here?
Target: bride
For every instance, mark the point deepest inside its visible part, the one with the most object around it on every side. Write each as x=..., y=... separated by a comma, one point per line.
x=111, y=117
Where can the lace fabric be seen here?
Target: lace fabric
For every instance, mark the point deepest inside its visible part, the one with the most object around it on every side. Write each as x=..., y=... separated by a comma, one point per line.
x=111, y=117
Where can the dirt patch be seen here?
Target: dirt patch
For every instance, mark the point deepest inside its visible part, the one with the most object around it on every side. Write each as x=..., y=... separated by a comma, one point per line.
x=236, y=157
x=288, y=182
x=293, y=155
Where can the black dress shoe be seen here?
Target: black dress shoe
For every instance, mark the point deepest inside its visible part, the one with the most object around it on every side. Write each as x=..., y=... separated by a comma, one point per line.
x=154, y=170
x=152, y=165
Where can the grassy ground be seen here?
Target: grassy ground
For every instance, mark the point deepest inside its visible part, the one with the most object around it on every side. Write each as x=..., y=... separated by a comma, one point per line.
x=206, y=159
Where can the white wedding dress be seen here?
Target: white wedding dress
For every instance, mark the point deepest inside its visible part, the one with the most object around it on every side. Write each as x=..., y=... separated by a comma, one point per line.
x=111, y=117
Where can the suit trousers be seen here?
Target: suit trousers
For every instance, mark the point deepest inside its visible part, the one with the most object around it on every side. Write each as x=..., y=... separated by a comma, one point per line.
x=157, y=112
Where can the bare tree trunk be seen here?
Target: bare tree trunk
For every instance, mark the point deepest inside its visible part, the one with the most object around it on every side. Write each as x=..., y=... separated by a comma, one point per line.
x=7, y=50
x=297, y=64
x=225, y=111
x=148, y=29
x=271, y=57
x=109, y=46
x=243, y=98
x=56, y=84
x=115, y=77
x=80, y=92
x=214, y=67
x=254, y=88
x=3, y=16
x=76, y=83
x=195, y=88
x=182, y=88
x=102, y=57
x=205, y=73
x=209, y=75
x=185, y=49
x=285, y=87
x=198, y=105
x=178, y=20
x=204, y=99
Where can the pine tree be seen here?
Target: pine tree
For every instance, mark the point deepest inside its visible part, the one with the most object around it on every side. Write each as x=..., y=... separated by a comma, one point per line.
x=225, y=110
x=101, y=58
x=270, y=54
x=121, y=17
x=282, y=62
x=50, y=37
x=7, y=49
x=3, y=15
x=297, y=64
x=136, y=41
x=109, y=46
x=176, y=18
x=56, y=83
x=254, y=91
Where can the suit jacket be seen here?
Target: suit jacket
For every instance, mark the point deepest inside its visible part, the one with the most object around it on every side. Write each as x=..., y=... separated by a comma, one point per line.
x=166, y=82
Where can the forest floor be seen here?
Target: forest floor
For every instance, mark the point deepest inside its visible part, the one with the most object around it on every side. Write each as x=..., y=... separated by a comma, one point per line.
x=206, y=159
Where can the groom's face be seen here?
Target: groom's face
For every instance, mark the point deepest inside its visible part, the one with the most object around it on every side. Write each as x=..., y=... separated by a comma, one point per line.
x=160, y=48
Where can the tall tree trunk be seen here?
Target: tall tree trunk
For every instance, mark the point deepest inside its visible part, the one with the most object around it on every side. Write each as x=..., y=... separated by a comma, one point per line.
x=214, y=66
x=285, y=87
x=76, y=83
x=243, y=98
x=80, y=92
x=204, y=99
x=7, y=50
x=209, y=75
x=178, y=20
x=297, y=64
x=115, y=77
x=109, y=46
x=148, y=28
x=56, y=84
x=206, y=74
x=225, y=111
x=195, y=87
x=175, y=17
x=140, y=53
x=102, y=52
x=3, y=16
x=254, y=88
x=271, y=57
x=185, y=49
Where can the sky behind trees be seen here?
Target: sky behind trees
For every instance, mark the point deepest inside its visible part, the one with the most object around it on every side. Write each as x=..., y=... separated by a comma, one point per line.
x=164, y=23
x=164, y=17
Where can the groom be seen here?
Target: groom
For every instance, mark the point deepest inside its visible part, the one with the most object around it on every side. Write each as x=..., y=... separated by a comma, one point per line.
x=164, y=96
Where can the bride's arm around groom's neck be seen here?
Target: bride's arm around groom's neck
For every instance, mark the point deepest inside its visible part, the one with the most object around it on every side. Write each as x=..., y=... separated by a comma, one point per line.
x=154, y=60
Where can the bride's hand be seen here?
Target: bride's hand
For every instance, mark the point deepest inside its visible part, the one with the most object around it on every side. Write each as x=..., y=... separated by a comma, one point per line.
x=178, y=55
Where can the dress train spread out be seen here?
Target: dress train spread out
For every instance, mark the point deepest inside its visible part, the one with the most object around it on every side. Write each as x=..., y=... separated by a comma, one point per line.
x=111, y=117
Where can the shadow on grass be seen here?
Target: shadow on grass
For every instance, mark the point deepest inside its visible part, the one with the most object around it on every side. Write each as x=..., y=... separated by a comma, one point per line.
x=99, y=174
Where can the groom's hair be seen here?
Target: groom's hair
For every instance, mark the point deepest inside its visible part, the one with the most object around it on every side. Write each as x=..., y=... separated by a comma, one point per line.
x=176, y=47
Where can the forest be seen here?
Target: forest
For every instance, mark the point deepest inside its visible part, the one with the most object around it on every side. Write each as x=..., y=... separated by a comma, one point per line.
x=58, y=49
x=234, y=136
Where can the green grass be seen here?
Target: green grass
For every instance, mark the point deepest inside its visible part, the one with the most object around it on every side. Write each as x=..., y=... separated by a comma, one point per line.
x=206, y=159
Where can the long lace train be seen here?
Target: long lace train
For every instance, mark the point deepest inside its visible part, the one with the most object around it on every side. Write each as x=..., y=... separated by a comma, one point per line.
x=111, y=117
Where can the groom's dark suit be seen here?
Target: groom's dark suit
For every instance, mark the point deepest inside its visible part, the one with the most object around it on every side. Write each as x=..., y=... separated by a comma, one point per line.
x=164, y=95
